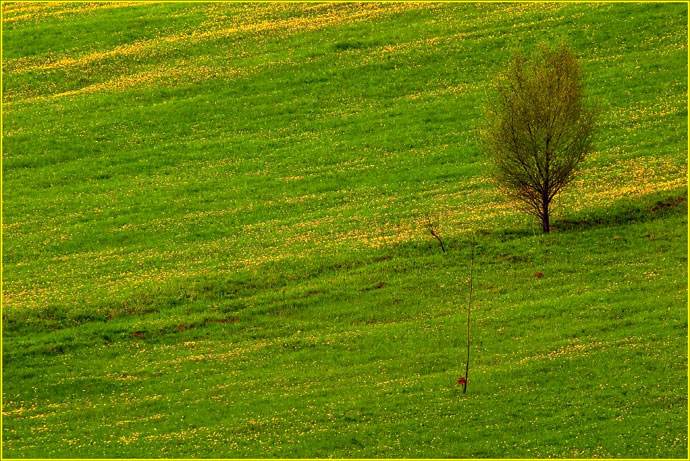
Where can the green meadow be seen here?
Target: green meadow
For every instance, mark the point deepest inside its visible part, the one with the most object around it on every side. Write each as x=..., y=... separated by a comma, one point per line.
x=214, y=239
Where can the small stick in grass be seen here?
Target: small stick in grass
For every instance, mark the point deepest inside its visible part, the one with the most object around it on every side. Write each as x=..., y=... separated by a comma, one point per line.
x=432, y=230
x=469, y=304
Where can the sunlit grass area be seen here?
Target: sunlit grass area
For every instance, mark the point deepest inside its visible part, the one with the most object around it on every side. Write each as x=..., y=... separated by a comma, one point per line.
x=214, y=239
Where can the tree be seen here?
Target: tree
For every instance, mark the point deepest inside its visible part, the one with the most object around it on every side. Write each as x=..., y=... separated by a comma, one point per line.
x=537, y=128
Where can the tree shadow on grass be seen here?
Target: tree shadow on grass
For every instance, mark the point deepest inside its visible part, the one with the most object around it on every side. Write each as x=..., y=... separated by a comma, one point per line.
x=657, y=206
x=643, y=211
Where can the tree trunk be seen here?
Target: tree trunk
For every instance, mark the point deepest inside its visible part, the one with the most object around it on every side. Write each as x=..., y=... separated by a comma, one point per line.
x=545, y=226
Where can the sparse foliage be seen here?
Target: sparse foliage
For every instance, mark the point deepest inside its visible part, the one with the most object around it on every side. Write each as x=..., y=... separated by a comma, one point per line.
x=537, y=128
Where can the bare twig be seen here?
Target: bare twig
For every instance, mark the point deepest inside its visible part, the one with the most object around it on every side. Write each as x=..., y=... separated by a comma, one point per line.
x=430, y=226
x=469, y=305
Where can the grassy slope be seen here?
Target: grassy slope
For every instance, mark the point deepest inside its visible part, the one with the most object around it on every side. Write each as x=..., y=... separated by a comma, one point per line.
x=207, y=198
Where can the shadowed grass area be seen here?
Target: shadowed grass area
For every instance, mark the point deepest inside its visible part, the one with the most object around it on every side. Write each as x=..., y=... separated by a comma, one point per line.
x=214, y=239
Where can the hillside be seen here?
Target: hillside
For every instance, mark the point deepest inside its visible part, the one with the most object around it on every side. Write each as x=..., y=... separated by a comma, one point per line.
x=214, y=243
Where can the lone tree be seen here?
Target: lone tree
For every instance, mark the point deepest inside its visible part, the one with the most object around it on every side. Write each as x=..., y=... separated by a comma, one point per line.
x=537, y=128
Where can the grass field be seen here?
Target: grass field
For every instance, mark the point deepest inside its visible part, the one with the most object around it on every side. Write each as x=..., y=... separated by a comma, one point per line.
x=214, y=242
